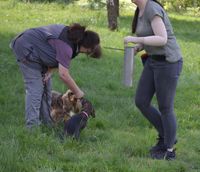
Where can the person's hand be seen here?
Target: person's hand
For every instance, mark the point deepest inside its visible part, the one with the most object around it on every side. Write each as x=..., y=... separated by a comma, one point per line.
x=128, y=39
x=47, y=76
x=79, y=94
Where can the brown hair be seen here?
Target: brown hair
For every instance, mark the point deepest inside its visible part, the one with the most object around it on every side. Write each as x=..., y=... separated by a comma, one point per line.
x=135, y=18
x=86, y=38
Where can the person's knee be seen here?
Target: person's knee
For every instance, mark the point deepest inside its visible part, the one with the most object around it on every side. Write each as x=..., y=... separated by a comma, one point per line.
x=140, y=103
x=165, y=110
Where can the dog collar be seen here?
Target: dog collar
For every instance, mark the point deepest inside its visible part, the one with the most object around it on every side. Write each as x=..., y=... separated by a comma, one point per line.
x=85, y=114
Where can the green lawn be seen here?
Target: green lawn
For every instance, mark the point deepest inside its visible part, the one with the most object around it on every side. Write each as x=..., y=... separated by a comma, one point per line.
x=118, y=139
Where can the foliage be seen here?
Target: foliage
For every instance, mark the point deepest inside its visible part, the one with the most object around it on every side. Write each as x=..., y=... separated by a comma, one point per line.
x=48, y=1
x=179, y=5
x=96, y=4
x=174, y=5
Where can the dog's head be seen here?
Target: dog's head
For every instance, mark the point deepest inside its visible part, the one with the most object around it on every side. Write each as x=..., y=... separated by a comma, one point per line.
x=87, y=107
x=70, y=102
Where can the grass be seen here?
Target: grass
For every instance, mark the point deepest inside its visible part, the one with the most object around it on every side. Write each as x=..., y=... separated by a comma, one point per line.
x=119, y=137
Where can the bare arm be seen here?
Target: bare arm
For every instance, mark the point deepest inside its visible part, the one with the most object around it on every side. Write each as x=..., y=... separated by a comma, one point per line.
x=68, y=80
x=158, y=39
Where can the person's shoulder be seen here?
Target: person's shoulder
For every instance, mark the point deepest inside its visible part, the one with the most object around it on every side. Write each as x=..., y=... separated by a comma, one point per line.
x=64, y=45
x=60, y=45
x=153, y=8
x=61, y=42
x=152, y=5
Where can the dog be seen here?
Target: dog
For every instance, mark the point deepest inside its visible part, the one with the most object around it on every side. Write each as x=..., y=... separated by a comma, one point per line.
x=63, y=106
x=56, y=107
x=71, y=105
x=78, y=122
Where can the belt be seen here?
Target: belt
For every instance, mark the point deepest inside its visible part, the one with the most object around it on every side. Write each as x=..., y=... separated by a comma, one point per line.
x=157, y=57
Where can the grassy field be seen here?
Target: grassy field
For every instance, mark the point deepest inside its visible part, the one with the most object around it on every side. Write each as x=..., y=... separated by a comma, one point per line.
x=118, y=139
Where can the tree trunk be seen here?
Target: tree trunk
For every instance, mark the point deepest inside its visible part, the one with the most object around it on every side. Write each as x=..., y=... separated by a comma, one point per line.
x=117, y=7
x=112, y=14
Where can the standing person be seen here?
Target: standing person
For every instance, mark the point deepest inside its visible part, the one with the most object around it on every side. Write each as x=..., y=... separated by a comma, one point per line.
x=38, y=51
x=160, y=75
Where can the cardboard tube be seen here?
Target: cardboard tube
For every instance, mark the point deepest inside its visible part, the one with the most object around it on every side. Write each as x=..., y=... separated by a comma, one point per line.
x=128, y=66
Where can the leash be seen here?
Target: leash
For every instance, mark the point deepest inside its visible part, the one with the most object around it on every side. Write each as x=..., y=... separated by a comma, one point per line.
x=113, y=48
x=118, y=49
x=45, y=96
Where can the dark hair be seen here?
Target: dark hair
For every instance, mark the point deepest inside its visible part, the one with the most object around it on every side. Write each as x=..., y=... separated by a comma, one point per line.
x=135, y=18
x=86, y=38
x=91, y=40
x=96, y=52
x=75, y=33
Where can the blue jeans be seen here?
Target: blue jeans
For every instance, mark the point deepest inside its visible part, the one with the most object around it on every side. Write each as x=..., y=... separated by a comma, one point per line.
x=160, y=78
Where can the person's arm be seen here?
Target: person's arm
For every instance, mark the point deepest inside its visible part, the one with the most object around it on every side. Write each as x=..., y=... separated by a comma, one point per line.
x=63, y=56
x=158, y=39
x=68, y=80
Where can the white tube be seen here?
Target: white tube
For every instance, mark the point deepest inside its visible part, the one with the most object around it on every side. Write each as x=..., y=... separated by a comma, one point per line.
x=128, y=66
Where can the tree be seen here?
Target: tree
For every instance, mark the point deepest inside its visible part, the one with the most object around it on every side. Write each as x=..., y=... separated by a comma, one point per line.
x=113, y=13
x=117, y=6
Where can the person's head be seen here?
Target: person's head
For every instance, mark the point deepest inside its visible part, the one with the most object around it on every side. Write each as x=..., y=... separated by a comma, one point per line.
x=88, y=41
x=135, y=18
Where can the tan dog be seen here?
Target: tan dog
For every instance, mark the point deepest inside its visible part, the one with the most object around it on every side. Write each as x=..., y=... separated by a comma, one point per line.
x=64, y=106
x=71, y=105
x=56, y=106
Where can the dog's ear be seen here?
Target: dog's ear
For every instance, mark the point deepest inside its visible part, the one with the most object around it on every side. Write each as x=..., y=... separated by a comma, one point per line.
x=70, y=95
x=66, y=97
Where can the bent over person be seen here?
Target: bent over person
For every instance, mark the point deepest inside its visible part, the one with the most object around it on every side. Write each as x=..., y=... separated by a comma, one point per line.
x=160, y=75
x=38, y=51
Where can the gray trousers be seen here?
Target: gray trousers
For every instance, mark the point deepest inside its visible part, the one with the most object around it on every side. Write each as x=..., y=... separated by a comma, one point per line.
x=160, y=78
x=38, y=97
